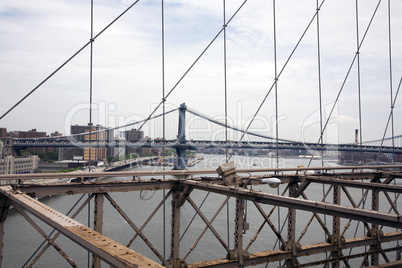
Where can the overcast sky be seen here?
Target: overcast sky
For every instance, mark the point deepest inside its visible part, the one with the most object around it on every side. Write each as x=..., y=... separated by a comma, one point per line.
x=36, y=37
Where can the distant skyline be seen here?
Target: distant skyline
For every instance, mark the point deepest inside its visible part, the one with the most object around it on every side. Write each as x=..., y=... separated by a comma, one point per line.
x=38, y=36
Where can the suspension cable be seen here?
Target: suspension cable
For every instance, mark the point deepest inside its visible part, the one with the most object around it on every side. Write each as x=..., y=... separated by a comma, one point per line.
x=281, y=71
x=163, y=121
x=225, y=79
x=350, y=67
x=390, y=80
x=347, y=74
x=90, y=84
x=320, y=103
x=193, y=64
x=90, y=116
x=276, y=108
x=203, y=116
x=226, y=113
x=358, y=80
x=68, y=60
x=319, y=82
x=276, y=85
x=389, y=118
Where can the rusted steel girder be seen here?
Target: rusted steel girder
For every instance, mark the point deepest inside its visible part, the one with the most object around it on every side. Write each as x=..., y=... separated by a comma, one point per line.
x=98, y=224
x=93, y=187
x=107, y=249
x=4, y=207
x=307, y=250
x=385, y=169
x=185, y=187
x=174, y=260
x=377, y=185
x=43, y=189
x=291, y=244
x=374, y=217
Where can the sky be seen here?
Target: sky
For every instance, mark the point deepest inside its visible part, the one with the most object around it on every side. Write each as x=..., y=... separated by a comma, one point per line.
x=128, y=77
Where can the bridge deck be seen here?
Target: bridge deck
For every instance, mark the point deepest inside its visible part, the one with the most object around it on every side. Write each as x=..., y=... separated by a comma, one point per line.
x=377, y=242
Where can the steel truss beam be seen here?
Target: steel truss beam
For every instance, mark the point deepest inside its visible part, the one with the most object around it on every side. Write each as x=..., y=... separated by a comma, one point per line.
x=355, y=184
x=108, y=250
x=23, y=143
x=374, y=217
x=357, y=172
x=307, y=250
x=183, y=188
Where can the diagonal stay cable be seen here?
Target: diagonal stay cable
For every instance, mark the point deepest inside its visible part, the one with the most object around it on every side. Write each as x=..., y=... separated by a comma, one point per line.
x=390, y=116
x=349, y=70
x=282, y=69
x=103, y=130
x=192, y=65
x=347, y=75
x=68, y=60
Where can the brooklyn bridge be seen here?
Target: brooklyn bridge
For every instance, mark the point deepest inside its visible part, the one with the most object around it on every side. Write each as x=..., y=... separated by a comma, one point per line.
x=318, y=78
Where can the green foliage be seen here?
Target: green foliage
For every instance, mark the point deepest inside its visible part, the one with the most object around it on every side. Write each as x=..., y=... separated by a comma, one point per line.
x=169, y=152
x=69, y=170
x=110, y=159
x=25, y=153
x=189, y=153
x=44, y=156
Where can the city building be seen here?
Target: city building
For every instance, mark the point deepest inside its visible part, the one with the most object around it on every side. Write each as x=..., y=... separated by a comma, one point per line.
x=18, y=165
x=3, y=132
x=81, y=133
x=95, y=153
x=135, y=135
x=31, y=134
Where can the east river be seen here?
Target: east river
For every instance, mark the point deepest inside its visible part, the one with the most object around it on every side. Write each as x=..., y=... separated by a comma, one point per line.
x=21, y=240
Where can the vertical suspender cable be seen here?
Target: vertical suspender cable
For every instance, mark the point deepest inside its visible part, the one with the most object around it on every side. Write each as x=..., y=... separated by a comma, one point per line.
x=163, y=122
x=90, y=84
x=276, y=108
x=90, y=111
x=65, y=63
x=226, y=109
x=319, y=80
x=390, y=80
x=276, y=89
x=320, y=101
x=349, y=70
x=358, y=79
x=225, y=77
x=390, y=85
x=321, y=140
x=359, y=92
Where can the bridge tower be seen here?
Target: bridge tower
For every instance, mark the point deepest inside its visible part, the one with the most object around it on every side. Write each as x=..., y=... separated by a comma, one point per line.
x=181, y=137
